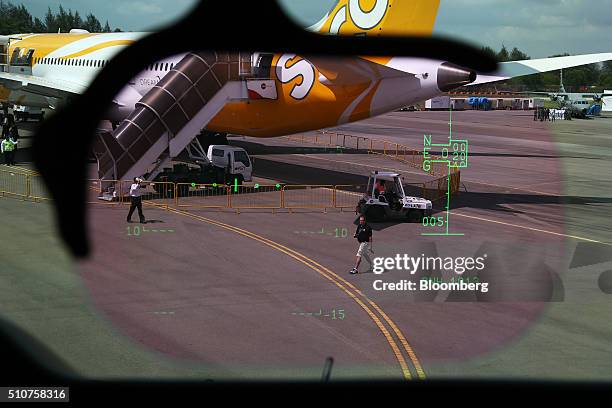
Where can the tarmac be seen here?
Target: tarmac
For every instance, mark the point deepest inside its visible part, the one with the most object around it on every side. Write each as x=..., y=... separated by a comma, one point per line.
x=213, y=294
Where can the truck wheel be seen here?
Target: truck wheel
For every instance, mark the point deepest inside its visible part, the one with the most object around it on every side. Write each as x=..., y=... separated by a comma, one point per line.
x=415, y=215
x=375, y=214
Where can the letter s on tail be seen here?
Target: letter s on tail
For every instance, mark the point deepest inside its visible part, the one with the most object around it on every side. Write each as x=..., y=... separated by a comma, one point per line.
x=380, y=17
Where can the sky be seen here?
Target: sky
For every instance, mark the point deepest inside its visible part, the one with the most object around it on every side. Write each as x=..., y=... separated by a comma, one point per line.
x=538, y=27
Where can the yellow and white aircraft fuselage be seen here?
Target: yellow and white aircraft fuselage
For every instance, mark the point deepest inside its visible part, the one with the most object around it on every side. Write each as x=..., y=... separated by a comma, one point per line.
x=310, y=92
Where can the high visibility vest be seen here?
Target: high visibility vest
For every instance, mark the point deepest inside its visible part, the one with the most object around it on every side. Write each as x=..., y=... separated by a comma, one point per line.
x=9, y=145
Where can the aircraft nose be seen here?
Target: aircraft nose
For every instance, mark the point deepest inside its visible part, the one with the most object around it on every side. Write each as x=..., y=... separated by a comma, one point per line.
x=452, y=76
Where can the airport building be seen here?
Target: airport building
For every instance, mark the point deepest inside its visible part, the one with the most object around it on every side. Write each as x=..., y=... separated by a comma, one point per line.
x=483, y=101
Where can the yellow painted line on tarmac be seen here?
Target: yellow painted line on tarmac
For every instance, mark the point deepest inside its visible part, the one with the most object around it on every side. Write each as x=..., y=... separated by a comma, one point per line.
x=531, y=228
x=338, y=281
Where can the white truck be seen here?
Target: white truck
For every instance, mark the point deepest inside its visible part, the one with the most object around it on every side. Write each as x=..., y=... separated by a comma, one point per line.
x=223, y=164
x=23, y=113
x=234, y=160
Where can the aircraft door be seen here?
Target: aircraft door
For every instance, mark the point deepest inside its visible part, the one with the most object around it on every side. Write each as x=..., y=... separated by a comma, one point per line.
x=262, y=66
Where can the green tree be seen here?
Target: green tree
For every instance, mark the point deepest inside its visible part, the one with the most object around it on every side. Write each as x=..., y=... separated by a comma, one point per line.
x=489, y=52
x=518, y=55
x=17, y=20
x=51, y=23
x=92, y=24
x=503, y=55
x=14, y=19
x=39, y=26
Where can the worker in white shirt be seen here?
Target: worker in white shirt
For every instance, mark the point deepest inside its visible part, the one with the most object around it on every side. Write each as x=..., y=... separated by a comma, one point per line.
x=136, y=199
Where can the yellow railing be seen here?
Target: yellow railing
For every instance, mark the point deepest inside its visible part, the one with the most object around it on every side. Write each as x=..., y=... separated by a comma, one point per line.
x=256, y=197
x=308, y=197
x=391, y=150
x=435, y=190
x=209, y=196
x=15, y=182
x=346, y=196
x=95, y=188
x=193, y=195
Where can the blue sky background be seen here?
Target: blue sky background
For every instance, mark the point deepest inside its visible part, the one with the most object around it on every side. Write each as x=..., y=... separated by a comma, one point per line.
x=538, y=27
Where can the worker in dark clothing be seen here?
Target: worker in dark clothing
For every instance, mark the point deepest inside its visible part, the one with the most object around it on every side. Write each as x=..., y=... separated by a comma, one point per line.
x=136, y=199
x=6, y=126
x=14, y=132
x=364, y=237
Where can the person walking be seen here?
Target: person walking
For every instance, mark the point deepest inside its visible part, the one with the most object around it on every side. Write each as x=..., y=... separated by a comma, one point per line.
x=364, y=237
x=136, y=199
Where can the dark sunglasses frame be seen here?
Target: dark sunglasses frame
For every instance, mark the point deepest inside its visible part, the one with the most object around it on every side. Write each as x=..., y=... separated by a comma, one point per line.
x=60, y=152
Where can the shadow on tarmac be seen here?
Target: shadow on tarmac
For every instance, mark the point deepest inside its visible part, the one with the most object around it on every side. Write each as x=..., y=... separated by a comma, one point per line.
x=261, y=150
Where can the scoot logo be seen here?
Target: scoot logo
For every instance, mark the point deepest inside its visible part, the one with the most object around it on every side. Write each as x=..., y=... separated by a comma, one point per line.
x=300, y=69
x=365, y=20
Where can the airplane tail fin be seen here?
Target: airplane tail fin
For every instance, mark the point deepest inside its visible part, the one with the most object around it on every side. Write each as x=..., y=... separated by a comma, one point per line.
x=380, y=17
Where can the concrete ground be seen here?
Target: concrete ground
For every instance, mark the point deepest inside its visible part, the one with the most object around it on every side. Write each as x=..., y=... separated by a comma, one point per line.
x=215, y=294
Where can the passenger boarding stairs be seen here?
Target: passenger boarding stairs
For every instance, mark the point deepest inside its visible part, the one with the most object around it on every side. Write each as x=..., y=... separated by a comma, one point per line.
x=169, y=117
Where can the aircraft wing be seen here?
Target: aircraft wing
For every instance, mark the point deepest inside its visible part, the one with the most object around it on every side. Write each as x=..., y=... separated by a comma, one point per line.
x=514, y=69
x=41, y=86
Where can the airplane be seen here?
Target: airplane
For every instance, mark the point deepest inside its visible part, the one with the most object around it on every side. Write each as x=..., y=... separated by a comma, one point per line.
x=304, y=93
x=581, y=105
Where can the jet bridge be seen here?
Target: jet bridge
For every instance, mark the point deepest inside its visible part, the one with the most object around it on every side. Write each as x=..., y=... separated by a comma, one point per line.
x=170, y=116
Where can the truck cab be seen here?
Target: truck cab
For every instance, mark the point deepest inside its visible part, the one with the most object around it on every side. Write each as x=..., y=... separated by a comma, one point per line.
x=235, y=161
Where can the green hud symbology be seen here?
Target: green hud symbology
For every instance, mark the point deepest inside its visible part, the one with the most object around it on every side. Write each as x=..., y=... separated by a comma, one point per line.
x=455, y=156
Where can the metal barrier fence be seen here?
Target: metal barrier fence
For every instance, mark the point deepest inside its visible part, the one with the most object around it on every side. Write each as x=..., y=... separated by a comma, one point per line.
x=308, y=197
x=13, y=183
x=190, y=195
x=256, y=197
x=209, y=196
x=38, y=189
x=96, y=187
x=347, y=196
x=26, y=184
x=436, y=190
x=391, y=150
x=160, y=194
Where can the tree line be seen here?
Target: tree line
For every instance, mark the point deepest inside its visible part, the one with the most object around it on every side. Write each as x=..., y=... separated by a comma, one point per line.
x=591, y=78
x=18, y=20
